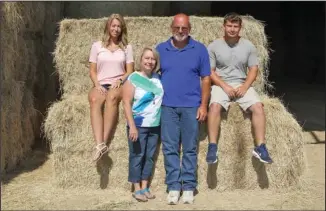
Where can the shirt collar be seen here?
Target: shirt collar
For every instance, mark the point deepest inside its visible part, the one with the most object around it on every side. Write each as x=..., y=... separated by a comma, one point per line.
x=170, y=47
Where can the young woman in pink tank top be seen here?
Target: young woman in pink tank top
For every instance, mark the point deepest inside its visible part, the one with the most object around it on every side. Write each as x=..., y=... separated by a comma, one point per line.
x=111, y=61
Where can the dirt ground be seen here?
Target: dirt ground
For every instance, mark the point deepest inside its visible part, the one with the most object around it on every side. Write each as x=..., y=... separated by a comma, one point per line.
x=29, y=188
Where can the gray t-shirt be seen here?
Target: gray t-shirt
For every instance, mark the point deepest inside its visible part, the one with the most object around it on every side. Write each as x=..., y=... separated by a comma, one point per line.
x=231, y=63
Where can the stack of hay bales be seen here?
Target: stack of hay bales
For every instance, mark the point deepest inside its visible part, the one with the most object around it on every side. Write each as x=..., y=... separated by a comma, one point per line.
x=17, y=107
x=68, y=126
x=22, y=25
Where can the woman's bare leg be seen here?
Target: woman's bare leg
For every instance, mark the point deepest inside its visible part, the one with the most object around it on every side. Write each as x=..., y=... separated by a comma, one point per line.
x=111, y=112
x=96, y=100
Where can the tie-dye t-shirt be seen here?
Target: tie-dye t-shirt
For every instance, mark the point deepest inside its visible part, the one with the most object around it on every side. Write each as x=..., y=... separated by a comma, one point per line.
x=147, y=100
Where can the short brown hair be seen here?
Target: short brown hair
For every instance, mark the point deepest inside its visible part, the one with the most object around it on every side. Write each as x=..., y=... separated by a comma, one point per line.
x=233, y=18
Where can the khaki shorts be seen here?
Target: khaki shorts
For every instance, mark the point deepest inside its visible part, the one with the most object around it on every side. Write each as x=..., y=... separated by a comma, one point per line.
x=219, y=96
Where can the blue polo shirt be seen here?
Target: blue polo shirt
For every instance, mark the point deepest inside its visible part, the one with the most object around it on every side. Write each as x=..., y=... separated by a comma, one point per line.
x=181, y=71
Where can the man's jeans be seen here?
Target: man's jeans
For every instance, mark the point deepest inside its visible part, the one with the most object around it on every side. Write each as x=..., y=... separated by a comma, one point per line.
x=180, y=123
x=141, y=153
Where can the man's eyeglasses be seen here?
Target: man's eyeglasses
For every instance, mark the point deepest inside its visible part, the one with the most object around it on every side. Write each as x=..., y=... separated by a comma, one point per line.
x=177, y=28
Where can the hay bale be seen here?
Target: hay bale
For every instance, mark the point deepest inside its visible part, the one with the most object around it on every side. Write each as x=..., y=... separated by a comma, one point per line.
x=17, y=125
x=22, y=26
x=15, y=112
x=237, y=169
x=18, y=24
x=69, y=129
x=67, y=125
x=76, y=37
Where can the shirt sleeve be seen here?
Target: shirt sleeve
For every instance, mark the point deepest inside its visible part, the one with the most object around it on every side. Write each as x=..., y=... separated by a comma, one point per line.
x=253, y=58
x=205, y=68
x=129, y=54
x=93, y=54
x=212, y=57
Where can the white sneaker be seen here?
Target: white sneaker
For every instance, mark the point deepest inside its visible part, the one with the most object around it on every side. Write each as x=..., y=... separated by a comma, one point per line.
x=188, y=197
x=173, y=197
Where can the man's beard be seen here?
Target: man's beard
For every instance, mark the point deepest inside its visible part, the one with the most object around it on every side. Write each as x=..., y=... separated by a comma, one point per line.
x=180, y=38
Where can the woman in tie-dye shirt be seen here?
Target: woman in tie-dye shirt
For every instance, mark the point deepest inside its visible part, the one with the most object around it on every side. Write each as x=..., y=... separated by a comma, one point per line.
x=142, y=99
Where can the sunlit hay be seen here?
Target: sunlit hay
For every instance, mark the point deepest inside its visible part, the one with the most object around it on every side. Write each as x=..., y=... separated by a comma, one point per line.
x=68, y=127
x=76, y=37
x=238, y=169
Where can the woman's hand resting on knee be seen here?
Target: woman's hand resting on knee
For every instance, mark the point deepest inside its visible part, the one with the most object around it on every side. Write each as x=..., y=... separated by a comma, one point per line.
x=101, y=89
x=116, y=85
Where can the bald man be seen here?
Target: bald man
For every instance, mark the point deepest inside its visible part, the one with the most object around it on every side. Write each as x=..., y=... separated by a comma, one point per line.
x=184, y=64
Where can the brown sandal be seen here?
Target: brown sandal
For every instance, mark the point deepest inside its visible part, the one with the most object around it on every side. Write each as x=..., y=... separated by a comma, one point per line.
x=100, y=150
x=148, y=193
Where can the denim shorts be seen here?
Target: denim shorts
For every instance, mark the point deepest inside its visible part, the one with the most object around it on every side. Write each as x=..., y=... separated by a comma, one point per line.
x=106, y=86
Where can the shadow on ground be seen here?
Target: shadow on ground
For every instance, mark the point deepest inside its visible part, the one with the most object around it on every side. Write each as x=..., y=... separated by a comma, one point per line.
x=33, y=160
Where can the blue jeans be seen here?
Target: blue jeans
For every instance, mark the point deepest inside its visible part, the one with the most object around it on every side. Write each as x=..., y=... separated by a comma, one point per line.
x=180, y=123
x=141, y=153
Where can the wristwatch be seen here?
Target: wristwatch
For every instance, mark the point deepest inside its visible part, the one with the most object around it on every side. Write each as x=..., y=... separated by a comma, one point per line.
x=121, y=81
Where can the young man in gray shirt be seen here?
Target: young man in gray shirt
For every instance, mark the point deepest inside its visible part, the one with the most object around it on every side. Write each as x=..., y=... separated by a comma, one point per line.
x=230, y=57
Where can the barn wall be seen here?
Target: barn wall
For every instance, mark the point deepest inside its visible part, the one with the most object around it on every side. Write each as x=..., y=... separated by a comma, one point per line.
x=103, y=9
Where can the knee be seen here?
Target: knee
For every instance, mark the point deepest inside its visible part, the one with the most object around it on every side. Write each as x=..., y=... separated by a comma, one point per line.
x=215, y=109
x=169, y=148
x=112, y=99
x=93, y=100
x=257, y=108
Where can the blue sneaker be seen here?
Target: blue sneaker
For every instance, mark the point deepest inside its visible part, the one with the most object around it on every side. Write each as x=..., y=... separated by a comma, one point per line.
x=211, y=157
x=261, y=153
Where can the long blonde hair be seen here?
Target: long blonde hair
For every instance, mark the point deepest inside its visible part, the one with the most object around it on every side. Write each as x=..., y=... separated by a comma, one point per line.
x=123, y=41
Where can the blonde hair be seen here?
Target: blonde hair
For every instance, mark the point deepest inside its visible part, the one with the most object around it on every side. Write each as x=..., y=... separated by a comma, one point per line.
x=156, y=56
x=123, y=41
